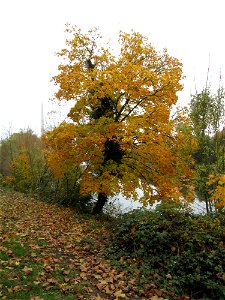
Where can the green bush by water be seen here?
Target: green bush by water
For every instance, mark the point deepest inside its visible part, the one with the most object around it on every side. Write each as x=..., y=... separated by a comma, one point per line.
x=180, y=252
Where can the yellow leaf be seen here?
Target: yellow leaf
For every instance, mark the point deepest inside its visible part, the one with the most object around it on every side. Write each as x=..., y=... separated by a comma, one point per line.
x=119, y=294
x=103, y=282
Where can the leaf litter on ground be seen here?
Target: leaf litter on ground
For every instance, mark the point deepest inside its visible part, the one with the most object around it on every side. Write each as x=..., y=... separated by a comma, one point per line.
x=51, y=252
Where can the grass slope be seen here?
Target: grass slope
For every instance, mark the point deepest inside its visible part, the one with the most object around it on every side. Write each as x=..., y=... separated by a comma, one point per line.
x=50, y=252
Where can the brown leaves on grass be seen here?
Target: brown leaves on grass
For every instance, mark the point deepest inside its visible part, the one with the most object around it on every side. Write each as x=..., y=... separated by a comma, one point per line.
x=62, y=253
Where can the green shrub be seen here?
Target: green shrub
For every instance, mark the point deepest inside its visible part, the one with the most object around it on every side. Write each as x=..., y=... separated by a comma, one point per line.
x=185, y=251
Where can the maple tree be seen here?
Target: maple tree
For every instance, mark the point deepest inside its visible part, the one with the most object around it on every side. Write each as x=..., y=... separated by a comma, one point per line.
x=121, y=134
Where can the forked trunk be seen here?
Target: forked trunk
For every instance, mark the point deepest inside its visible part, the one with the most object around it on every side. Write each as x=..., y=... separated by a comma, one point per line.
x=102, y=199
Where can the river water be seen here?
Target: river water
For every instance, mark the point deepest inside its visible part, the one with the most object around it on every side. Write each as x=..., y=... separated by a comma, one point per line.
x=124, y=205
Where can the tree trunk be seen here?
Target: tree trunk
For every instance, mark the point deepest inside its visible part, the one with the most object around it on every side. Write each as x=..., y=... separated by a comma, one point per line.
x=102, y=199
x=206, y=204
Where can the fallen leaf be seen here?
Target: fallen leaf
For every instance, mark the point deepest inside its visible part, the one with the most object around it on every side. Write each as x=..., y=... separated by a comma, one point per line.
x=169, y=276
x=119, y=294
x=103, y=282
x=17, y=288
x=66, y=279
x=27, y=270
x=83, y=275
x=52, y=280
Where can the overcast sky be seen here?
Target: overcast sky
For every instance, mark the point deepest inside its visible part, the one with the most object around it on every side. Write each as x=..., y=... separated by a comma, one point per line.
x=32, y=31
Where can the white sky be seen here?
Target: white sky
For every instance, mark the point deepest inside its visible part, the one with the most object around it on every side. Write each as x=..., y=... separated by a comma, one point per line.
x=32, y=31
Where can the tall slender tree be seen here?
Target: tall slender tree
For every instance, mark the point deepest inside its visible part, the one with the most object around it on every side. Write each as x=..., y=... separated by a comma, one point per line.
x=207, y=115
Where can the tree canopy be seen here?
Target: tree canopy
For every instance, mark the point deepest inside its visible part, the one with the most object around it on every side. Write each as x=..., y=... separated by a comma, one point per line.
x=121, y=133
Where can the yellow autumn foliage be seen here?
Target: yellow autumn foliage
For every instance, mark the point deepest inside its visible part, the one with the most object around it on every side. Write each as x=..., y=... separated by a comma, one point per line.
x=121, y=133
x=218, y=190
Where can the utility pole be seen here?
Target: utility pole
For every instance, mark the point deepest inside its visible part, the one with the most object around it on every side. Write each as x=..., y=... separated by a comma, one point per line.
x=42, y=119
